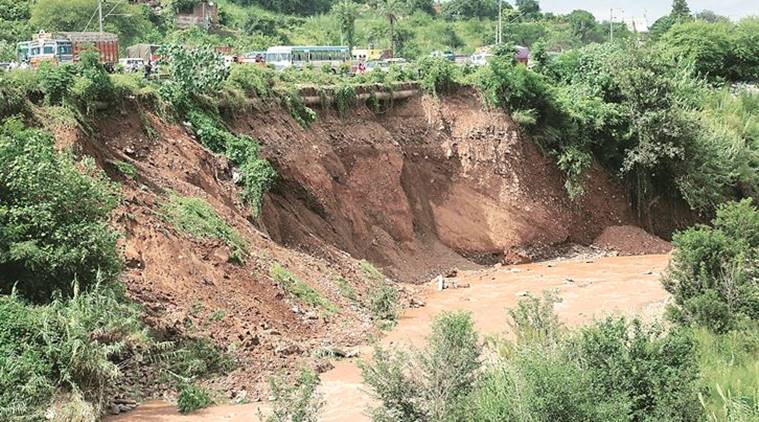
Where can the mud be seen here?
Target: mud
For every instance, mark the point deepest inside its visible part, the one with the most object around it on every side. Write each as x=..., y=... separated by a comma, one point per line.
x=589, y=289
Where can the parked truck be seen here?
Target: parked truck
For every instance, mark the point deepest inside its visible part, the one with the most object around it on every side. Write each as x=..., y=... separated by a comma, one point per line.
x=65, y=47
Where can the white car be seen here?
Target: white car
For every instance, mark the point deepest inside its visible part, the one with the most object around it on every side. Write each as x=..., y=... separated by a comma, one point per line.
x=132, y=64
x=480, y=59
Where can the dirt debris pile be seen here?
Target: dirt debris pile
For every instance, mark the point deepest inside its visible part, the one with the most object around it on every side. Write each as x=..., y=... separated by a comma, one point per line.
x=631, y=240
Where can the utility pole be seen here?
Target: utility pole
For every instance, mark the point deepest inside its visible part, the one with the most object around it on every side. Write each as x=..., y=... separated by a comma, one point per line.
x=611, y=25
x=100, y=14
x=499, y=30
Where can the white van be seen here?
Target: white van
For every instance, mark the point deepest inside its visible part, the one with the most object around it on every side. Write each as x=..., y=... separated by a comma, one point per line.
x=132, y=64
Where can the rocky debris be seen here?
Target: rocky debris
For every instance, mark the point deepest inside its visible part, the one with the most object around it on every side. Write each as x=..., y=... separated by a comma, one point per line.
x=288, y=349
x=322, y=365
x=453, y=272
x=118, y=406
x=631, y=240
x=415, y=303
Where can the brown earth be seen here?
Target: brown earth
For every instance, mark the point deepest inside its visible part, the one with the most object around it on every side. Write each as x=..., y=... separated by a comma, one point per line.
x=422, y=187
x=631, y=240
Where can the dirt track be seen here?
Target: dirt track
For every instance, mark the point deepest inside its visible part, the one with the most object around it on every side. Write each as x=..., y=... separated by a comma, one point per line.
x=612, y=285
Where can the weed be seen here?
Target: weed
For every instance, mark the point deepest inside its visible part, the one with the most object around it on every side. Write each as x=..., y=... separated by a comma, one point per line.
x=127, y=169
x=298, y=402
x=192, y=398
x=302, y=114
x=382, y=298
x=217, y=315
x=346, y=290
x=147, y=127
x=300, y=290
x=345, y=98
x=197, y=218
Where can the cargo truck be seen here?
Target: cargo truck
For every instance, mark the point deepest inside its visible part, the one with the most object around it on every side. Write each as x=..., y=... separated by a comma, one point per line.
x=65, y=47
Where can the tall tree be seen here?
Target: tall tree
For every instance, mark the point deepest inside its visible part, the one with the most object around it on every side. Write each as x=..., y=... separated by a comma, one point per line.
x=392, y=10
x=530, y=8
x=680, y=10
x=584, y=25
x=347, y=12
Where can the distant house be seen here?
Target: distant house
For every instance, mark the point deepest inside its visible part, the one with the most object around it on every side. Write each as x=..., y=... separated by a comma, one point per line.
x=522, y=55
x=205, y=15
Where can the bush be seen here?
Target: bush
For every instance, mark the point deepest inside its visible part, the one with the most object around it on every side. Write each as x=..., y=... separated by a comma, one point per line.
x=382, y=298
x=252, y=80
x=70, y=345
x=712, y=276
x=193, y=73
x=302, y=114
x=298, y=402
x=192, y=398
x=432, y=384
x=437, y=74
x=345, y=98
x=300, y=290
x=197, y=218
x=54, y=215
x=55, y=81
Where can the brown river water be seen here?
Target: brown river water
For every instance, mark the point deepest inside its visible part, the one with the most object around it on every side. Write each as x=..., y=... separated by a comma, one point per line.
x=589, y=289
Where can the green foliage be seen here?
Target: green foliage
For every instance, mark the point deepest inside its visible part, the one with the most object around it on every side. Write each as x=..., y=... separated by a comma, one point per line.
x=729, y=374
x=534, y=322
x=437, y=74
x=298, y=402
x=302, y=114
x=192, y=398
x=193, y=72
x=300, y=290
x=347, y=13
x=73, y=345
x=53, y=216
x=346, y=290
x=432, y=384
x=127, y=169
x=252, y=80
x=714, y=270
x=197, y=218
x=345, y=98
x=382, y=297
x=256, y=174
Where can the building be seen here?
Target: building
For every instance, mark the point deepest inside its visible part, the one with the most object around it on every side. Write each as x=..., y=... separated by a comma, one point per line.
x=205, y=15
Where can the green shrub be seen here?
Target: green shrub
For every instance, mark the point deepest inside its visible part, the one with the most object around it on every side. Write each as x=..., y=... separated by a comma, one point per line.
x=302, y=114
x=432, y=384
x=73, y=345
x=714, y=269
x=346, y=290
x=193, y=73
x=54, y=216
x=299, y=402
x=299, y=289
x=345, y=98
x=197, y=218
x=12, y=97
x=92, y=83
x=252, y=80
x=192, y=398
x=437, y=74
x=56, y=81
x=127, y=169
x=382, y=297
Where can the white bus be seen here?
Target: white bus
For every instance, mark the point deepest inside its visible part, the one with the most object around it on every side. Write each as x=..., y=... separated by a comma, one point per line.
x=282, y=57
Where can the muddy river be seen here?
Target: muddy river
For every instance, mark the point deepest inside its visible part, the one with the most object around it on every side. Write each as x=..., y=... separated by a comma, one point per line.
x=588, y=288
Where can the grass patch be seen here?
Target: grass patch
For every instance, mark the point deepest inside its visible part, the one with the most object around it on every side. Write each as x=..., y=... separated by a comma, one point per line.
x=729, y=365
x=217, y=315
x=382, y=298
x=192, y=398
x=299, y=289
x=127, y=169
x=346, y=290
x=197, y=218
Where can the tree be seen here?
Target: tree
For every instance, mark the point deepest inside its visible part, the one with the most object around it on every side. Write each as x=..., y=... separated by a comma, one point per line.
x=347, y=12
x=680, y=11
x=392, y=10
x=709, y=46
x=426, y=6
x=711, y=17
x=584, y=25
x=470, y=9
x=530, y=8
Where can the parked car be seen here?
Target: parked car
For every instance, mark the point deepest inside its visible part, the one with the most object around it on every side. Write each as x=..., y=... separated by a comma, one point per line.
x=444, y=54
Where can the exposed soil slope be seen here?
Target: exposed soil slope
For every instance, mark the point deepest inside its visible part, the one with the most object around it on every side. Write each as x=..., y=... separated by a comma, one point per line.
x=422, y=185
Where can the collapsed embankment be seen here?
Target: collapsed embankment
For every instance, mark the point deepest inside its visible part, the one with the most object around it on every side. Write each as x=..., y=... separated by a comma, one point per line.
x=421, y=186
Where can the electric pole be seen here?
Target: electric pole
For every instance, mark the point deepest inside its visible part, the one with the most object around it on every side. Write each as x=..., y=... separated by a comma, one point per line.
x=100, y=14
x=611, y=25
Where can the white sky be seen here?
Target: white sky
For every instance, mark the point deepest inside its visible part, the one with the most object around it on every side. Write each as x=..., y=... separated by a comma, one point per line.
x=650, y=9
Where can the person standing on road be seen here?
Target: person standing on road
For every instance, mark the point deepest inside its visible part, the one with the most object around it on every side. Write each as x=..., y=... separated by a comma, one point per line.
x=148, y=69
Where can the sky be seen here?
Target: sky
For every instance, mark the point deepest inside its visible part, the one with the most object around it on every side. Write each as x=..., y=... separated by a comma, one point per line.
x=650, y=10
